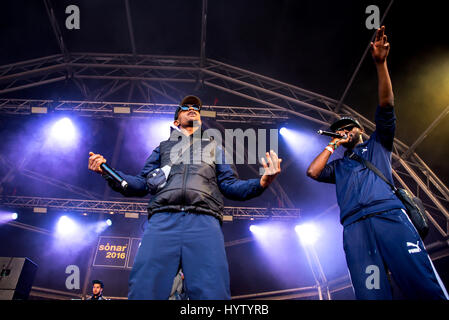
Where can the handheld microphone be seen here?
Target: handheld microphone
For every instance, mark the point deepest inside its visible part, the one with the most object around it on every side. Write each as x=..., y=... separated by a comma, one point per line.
x=114, y=175
x=331, y=134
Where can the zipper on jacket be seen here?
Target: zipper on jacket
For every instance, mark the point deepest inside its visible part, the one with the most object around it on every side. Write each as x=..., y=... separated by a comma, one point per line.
x=184, y=187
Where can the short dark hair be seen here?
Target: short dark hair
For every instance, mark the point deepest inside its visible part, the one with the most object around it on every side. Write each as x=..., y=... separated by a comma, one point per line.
x=99, y=282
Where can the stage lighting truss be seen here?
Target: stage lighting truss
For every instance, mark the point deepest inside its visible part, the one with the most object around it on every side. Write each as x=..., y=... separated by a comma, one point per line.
x=122, y=207
x=151, y=78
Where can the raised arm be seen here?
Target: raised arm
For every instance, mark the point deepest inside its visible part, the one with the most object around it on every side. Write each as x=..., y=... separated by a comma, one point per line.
x=380, y=49
x=385, y=116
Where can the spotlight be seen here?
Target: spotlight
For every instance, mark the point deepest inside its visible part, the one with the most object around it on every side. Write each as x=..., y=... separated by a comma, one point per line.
x=154, y=130
x=109, y=222
x=63, y=130
x=308, y=233
x=257, y=230
x=66, y=226
x=290, y=134
x=7, y=216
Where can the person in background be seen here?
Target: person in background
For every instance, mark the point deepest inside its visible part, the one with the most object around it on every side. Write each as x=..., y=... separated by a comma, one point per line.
x=97, y=290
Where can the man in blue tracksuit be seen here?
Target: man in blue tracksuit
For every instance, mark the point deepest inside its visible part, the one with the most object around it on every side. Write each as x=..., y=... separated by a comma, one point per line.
x=378, y=236
x=185, y=215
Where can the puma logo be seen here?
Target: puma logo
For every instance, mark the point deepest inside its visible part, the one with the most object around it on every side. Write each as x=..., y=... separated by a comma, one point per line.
x=415, y=247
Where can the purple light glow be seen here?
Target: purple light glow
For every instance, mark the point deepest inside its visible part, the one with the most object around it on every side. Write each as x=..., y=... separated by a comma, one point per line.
x=308, y=233
x=296, y=138
x=61, y=136
x=303, y=145
x=283, y=131
x=5, y=217
x=280, y=249
x=74, y=234
x=153, y=131
x=144, y=135
x=63, y=130
x=99, y=227
x=66, y=226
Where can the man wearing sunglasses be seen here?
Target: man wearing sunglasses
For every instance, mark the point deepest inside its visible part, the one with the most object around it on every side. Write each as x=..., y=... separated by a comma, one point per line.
x=185, y=215
x=378, y=236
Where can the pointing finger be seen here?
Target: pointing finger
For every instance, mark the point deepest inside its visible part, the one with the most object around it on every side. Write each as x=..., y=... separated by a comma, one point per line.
x=380, y=33
x=377, y=35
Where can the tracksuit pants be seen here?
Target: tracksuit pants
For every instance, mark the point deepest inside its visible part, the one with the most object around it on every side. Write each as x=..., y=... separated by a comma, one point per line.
x=389, y=241
x=179, y=239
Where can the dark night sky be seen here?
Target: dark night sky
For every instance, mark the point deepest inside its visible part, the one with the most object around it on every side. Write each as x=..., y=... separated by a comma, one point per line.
x=313, y=44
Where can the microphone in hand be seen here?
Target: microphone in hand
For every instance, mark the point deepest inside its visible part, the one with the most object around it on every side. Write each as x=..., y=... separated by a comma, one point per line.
x=332, y=134
x=114, y=175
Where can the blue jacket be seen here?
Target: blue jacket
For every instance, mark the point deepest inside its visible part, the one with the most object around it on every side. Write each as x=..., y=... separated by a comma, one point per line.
x=359, y=190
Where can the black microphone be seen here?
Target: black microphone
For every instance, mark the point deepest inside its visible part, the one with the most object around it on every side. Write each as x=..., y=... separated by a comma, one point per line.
x=114, y=175
x=331, y=134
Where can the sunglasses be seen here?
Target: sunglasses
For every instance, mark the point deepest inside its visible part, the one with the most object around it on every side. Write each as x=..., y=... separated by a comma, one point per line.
x=195, y=107
x=348, y=127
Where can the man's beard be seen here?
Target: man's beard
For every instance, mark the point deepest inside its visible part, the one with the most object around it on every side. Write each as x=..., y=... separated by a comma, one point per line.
x=192, y=123
x=353, y=142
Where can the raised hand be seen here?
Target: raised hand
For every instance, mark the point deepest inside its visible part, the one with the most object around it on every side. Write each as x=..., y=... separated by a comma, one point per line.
x=272, y=169
x=380, y=47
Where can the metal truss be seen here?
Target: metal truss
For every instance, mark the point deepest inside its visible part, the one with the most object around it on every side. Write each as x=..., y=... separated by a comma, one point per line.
x=309, y=292
x=115, y=109
x=44, y=179
x=122, y=207
x=155, y=79
x=136, y=85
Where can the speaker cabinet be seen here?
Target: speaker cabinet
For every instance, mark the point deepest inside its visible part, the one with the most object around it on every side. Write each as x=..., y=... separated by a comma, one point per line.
x=16, y=278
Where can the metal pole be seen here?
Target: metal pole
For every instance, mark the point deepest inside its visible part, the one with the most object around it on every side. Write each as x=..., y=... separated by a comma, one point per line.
x=337, y=109
x=203, y=35
x=89, y=265
x=425, y=133
x=323, y=279
x=130, y=27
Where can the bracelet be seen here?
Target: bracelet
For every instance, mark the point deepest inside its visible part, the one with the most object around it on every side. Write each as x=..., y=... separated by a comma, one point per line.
x=333, y=145
x=330, y=149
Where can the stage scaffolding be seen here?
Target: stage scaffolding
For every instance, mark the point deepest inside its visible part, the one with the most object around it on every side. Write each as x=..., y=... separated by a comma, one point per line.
x=269, y=101
x=98, y=76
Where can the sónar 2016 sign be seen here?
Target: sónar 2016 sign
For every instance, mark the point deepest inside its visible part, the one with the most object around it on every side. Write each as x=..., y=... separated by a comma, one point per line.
x=112, y=252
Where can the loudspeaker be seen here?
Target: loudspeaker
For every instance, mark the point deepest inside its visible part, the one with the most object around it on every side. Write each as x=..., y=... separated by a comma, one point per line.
x=16, y=278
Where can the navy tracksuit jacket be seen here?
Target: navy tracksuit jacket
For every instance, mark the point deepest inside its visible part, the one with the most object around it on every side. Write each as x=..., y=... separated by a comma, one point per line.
x=378, y=235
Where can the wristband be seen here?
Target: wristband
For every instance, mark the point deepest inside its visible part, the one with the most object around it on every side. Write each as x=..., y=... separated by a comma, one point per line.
x=330, y=149
x=333, y=145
